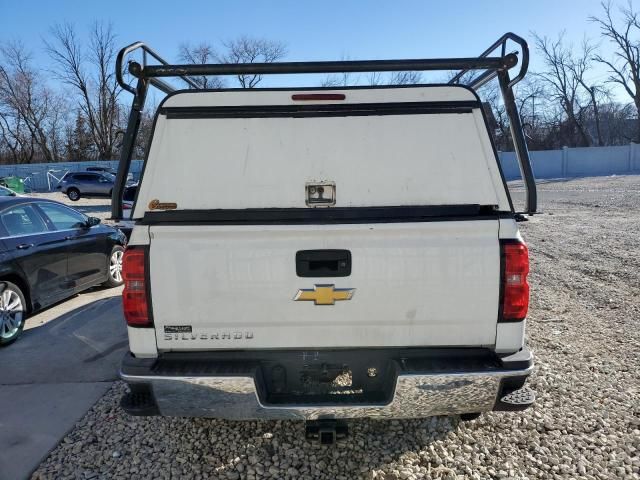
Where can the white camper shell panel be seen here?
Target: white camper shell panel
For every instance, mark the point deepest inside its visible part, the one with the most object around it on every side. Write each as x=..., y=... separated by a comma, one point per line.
x=376, y=160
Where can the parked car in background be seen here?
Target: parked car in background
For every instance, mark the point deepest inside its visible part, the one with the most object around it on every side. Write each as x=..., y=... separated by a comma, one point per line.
x=79, y=184
x=101, y=169
x=128, y=197
x=112, y=171
x=49, y=252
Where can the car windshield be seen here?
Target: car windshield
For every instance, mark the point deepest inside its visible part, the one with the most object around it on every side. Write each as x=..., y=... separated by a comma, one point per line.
x=109, y=176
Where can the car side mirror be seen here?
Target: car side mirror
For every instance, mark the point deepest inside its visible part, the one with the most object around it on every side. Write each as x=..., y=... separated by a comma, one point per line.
x=92, y=222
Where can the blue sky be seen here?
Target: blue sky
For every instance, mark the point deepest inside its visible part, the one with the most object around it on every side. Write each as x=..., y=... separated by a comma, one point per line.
x=312, y=30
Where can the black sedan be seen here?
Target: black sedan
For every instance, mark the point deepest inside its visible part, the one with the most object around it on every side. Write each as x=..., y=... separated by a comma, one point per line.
x=49, y=252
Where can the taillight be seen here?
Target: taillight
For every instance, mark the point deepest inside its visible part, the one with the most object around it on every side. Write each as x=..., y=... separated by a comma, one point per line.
x=318, y=96
x=515, y=288
x=126, y=206
x=134, y=295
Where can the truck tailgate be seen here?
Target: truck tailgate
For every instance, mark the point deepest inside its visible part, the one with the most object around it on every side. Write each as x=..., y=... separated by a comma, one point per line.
x=416, y=284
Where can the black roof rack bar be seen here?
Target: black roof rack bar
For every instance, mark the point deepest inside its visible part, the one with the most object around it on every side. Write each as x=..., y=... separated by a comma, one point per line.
x=515, y=123
x=162, y=86
x=482, y=79
x=493, y=67
x=492, y=63
x=502, y=43
x=145, y=51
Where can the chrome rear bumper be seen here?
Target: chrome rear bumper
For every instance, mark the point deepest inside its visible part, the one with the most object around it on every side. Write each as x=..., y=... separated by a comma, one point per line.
x=416, y=395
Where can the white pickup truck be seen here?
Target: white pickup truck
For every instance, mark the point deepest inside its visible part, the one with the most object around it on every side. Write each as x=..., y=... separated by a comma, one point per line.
x=325, y=254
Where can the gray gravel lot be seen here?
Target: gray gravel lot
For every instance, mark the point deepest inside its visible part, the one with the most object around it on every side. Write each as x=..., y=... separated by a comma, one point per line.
x=583, y=328
x=94, y=206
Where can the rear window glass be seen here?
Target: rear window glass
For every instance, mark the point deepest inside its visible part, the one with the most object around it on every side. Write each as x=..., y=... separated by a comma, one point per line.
x=85, y=177
x=22, y=220
x=63, y=218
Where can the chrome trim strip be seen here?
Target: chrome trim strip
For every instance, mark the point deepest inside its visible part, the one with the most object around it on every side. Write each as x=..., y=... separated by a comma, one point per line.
x=416, y=396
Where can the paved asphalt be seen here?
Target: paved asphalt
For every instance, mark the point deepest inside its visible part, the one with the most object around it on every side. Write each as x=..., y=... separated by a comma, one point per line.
x=65, y=360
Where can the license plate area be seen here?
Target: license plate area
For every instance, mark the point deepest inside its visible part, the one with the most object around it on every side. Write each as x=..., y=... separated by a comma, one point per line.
x=327, y=378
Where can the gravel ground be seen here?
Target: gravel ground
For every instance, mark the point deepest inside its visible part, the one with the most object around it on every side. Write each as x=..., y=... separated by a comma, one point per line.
x=583, y=329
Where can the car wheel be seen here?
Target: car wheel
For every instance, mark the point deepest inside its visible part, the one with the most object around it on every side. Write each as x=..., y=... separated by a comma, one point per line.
x=115, y=267
x=13, y=312
x=73, y=194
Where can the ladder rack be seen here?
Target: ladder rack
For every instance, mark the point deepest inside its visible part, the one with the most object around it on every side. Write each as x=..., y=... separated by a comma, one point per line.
x=486, y=67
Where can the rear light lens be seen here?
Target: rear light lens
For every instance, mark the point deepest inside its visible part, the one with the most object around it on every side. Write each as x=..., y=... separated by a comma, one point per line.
x=515, y=288
x=317, y=96
x=134, y=295
x=126, y=206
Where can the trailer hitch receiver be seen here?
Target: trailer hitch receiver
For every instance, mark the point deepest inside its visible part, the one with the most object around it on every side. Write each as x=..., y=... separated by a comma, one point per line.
x=326, y=431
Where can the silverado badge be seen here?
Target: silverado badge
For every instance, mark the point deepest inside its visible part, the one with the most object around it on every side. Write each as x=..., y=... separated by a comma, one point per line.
x=324, y=294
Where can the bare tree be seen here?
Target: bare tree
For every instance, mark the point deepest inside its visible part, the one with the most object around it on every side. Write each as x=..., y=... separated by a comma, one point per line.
x=405, y=78
x=531, y=99
x=497, y=115
x=564, y=74
x=544, y=121
x=374, y=79
x=344, y=79
x=529, y=95
x=596, y=92
x=90, y=72
x=16, y=143
x=395, y=78
x=144, y=133
x=625, y=66
x=29, y=112
x=201, y=54
x=339, y=80
x=247, y=49
x=618, y=123
x=78, y=143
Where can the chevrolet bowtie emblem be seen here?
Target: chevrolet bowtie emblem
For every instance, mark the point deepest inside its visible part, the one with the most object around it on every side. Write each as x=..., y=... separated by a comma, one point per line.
x=324, y=294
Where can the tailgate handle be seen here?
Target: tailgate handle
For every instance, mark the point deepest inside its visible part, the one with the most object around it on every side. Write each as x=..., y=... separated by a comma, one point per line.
x=323, y=263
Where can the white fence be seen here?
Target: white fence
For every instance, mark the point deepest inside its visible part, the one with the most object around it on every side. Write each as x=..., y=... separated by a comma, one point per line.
x=564, y=163
x=44, y=177
x=576, y=162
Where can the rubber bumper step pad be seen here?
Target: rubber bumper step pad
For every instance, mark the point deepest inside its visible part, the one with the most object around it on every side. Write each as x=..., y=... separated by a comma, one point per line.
x=518, y=399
